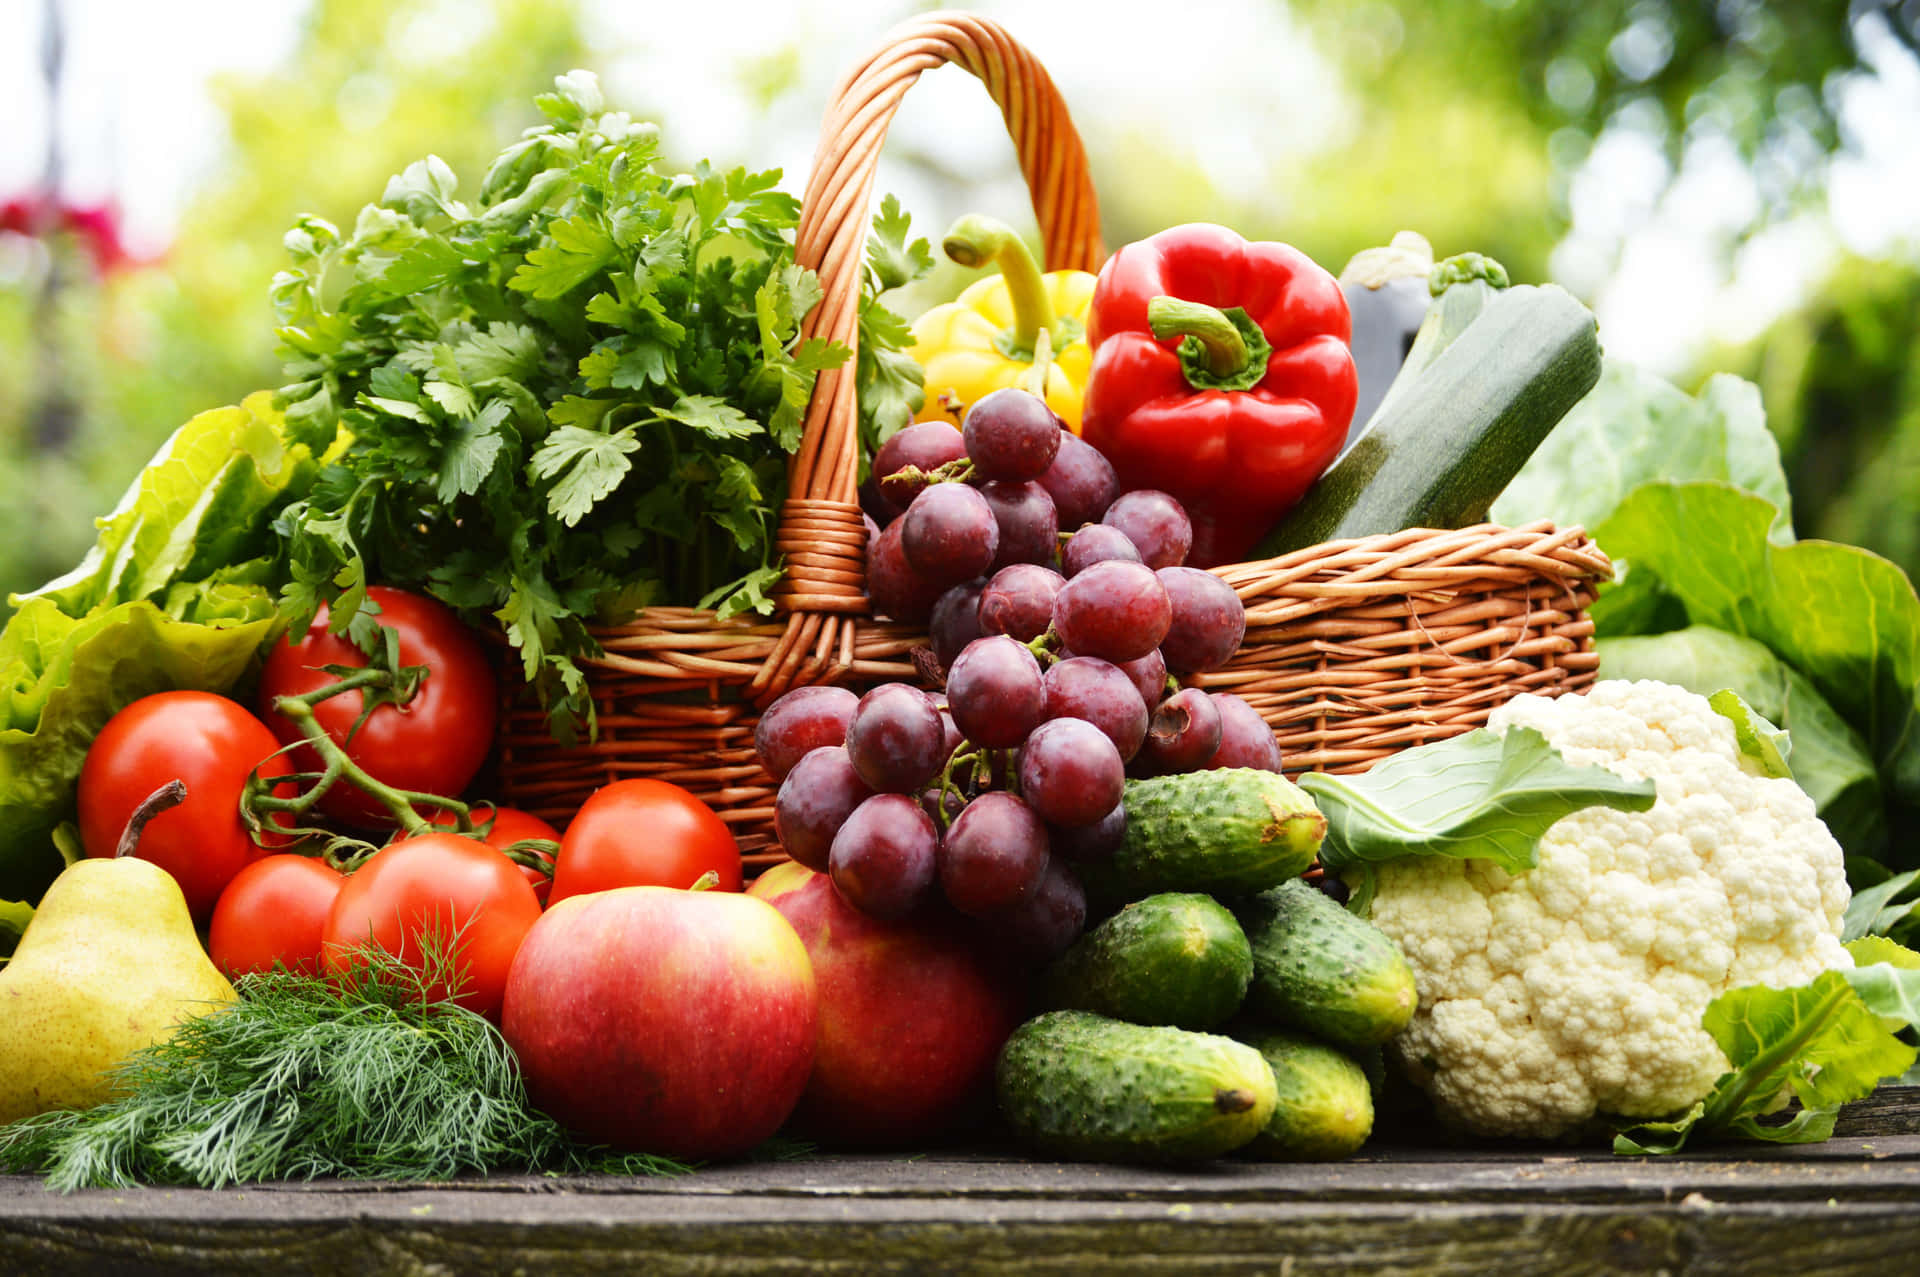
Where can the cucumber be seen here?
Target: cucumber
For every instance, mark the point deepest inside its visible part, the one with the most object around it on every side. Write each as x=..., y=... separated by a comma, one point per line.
x=1073, y=1084
x=1169, y=959
x=1446, y=443
x=1324, y=971
x=1228, y=832
x=1325, y=1108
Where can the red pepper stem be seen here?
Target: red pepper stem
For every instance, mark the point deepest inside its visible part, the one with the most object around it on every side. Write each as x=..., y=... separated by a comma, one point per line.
x=976, y=240
x=1219, y=349
x=1225, y=349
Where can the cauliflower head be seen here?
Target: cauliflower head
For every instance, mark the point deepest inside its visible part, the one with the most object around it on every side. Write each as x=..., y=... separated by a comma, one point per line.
x=1576, y=988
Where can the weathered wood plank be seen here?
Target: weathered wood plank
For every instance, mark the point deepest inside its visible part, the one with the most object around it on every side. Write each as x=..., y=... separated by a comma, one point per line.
x=1847, y=1206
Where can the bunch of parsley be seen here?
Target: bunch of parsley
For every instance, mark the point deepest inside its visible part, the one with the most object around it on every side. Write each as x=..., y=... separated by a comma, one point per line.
x=569, y=399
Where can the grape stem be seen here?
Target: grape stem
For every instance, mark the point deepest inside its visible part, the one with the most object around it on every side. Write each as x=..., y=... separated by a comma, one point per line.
x=1047, y=647
x=959, y=470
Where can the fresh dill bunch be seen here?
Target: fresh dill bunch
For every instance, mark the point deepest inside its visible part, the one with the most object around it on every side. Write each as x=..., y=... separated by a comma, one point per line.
x=362, y=1078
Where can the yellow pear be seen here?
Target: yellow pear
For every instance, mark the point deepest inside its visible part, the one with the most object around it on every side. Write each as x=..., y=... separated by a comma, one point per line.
x=109, y=964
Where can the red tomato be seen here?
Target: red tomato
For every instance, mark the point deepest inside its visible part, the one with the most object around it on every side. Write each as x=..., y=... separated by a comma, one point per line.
x=510, y=825
x=643, y=833
x=440, y=884
x=434, y=746
x=271, y=915
x=206, y=741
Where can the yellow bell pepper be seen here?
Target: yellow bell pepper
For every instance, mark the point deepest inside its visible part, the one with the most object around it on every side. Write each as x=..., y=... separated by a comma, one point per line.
x=984, y=339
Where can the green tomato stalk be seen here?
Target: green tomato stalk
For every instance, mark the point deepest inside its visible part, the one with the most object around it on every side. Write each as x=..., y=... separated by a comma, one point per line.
x=259, y=801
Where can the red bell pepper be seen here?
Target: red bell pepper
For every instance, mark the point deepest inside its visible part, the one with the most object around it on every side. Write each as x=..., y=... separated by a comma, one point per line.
x=1221, y=375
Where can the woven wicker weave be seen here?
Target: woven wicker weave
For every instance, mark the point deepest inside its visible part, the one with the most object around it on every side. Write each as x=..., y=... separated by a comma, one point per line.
x=1353, y=649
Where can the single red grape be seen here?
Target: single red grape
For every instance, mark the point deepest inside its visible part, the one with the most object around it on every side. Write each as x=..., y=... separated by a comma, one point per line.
x=1185, y=732
x=1208, y=620
x=1245, y=738
x=799, y=722
x=885, y=858
x=995, y=692
x=1011, y=434
x=1018, y=601
x=815, y=799
x=992, y=855
x=1029, y=525
x=896, y=739
x=1115, y=610
x=1157, y=525
x=1070, y=772
x=1098, y=692
x=1081, y=482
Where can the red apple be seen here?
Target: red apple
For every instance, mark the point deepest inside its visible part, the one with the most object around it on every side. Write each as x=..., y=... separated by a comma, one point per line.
x=663, y=1021
x=912, y=1015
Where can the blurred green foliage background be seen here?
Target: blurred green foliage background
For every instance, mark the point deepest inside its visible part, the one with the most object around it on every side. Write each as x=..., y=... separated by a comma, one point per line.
x=1472, y=121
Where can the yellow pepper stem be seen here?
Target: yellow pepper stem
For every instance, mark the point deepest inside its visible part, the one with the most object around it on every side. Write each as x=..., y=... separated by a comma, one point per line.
x=976, y=240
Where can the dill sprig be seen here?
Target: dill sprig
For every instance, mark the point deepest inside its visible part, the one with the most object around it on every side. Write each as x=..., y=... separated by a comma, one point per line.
x=366, y=1077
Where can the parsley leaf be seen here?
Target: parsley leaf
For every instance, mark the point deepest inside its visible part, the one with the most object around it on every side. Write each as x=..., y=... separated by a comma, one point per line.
x=587, y=465
x=569, y=396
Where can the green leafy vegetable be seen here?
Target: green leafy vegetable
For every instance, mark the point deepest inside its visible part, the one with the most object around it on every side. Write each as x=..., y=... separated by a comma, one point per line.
x=177, y=593
x=1830, y=761
x=1480, y=795
x=1758, y=740
x=1824, y=1044
x=303, y=1078
x=891, y=387
x=1890, y=907
x=1846, y=618
x=570, y=397
x=1688, y=496
x=1634, y=427
x=200, y=507
x=14, y=917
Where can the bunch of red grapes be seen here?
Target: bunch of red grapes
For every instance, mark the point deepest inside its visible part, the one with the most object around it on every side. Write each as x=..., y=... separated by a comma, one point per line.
x=1057, y=653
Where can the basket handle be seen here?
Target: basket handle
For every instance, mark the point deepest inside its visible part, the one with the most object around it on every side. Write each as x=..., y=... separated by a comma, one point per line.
x=822, y=538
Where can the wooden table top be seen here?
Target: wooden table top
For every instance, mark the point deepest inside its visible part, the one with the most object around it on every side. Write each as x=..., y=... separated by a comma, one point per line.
x=1850, y=1205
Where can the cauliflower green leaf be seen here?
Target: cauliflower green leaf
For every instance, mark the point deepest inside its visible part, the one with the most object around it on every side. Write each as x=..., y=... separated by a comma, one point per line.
x=1479, y=796
x=1824, y=1043
x=1759, y=740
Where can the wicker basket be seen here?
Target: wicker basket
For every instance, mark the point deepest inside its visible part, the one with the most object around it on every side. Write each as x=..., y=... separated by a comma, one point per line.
x=1354, y=649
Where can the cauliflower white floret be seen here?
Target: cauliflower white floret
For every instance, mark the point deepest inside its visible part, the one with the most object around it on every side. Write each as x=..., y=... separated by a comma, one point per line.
x=1576, y=988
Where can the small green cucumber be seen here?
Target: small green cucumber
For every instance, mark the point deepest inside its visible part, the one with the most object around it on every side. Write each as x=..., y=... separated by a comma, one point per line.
x=1173, y=958
x=1227, y=832
x=1318, y=968
x=1325, y=1110
x=1073, y=1084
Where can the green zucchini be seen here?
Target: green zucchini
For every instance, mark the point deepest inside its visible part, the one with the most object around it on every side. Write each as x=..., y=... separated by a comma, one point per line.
x=1175, y=958
x=1074, y=1084
x=1453, y=431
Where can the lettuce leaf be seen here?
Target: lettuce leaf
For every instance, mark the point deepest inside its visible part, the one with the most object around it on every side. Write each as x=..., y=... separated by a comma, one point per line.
x=1688, y=496
x=178, y=593
x=196, y=508
x=14, y=917
x=89, y=670
x=1480, y=795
